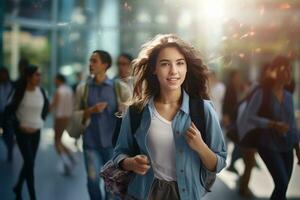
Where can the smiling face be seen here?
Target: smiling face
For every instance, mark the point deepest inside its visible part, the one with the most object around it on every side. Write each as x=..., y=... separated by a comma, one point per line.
x=170, y=69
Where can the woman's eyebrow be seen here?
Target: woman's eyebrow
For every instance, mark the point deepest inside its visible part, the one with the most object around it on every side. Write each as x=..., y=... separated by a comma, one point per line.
x=166, y=60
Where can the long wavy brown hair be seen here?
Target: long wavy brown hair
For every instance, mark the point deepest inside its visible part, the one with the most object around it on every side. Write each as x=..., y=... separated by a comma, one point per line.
x=146, y=83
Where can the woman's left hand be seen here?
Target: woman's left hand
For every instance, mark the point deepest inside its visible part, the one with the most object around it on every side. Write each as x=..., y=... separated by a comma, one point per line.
x=194, y=138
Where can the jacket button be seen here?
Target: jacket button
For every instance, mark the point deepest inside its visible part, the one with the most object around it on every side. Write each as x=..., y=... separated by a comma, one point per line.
x=183, y=190
x=177, y=133
x=180, y=151
x=181, y=171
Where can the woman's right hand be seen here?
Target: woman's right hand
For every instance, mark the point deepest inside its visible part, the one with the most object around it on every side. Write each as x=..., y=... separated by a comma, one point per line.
x=138, y=164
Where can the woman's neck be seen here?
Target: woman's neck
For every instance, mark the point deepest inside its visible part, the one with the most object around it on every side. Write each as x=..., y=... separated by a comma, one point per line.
x=170, y=97
x=30, y=87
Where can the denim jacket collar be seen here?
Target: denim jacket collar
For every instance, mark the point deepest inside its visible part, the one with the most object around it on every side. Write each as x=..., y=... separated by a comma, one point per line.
x=184, y=105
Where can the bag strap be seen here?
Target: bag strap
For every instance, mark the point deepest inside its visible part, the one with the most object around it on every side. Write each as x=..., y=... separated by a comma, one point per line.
x=198, y=117
x=264, y=109
x=83, y=103
x=118, y=89
x=45, y=110
x=135, y=121
x=84, y=96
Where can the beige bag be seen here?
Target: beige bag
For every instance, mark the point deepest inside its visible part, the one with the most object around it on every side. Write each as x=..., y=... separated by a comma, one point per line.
x=76, y=125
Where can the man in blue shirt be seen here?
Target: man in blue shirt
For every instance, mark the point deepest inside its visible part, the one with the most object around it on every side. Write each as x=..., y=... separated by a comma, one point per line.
x=97, y=101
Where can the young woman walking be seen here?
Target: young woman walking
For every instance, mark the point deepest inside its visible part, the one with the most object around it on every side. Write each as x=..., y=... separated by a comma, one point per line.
x=172, y=155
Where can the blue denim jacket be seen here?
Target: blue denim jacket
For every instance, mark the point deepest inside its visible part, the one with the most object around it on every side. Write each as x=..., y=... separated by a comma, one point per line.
x=188, y=163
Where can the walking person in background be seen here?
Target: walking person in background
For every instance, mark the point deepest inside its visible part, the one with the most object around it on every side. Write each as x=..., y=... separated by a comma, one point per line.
x=6, y=90
x=22, y=64
x=124, y=89
x=29, y=108
x=172, y=154
x=271, y=110
x=230, y=105
x=124, y=81
x=217, y=92
x=98, y=108
x=7, y=85
x=79, y=78
x=62, y=106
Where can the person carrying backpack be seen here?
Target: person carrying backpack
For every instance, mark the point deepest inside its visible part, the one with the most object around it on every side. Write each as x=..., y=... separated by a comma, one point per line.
x=96, y=100
x=168, y=154
x=270, y=125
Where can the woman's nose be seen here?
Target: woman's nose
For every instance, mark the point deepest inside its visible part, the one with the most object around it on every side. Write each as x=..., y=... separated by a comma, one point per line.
x=173, y=68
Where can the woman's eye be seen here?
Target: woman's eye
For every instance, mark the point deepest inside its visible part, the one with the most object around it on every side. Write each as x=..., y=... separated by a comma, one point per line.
x=164, y=64
x=180, y=63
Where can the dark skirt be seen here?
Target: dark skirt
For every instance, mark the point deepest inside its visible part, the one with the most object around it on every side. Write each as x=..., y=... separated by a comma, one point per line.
x=161, y=190
x=164, y=190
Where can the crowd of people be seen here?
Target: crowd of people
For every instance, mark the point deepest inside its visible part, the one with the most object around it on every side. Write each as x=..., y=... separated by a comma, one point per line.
x=170, y=152
x=259, y=117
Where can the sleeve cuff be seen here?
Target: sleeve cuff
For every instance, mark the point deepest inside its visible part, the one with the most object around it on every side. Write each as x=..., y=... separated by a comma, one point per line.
x=221, y=163
x=119, y=158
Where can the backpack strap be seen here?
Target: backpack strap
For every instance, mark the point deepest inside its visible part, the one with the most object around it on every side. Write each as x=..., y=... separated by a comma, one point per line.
x=135, y=121
x=264, y=109
x=197, y=115
x=117, y=89
x=45, y=110
x=85, y=95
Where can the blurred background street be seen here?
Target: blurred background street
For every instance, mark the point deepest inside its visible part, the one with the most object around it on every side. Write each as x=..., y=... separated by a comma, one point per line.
x=239, y=37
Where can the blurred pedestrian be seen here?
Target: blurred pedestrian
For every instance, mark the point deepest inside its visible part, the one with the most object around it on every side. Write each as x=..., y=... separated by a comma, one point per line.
x=22, y=64
x=271, y=112
x=124, y=89
x=124, y=81
x=6, y=90
x=29, y=108
x=78, y=76
x=98, y=108
x=217, y=92
x=230, y=105
x=62, y=106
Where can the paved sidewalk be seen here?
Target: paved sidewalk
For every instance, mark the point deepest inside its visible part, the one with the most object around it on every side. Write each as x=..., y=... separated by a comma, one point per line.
x=50, y=184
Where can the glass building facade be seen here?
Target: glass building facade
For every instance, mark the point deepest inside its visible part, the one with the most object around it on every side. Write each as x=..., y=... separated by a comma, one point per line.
x=59, y=35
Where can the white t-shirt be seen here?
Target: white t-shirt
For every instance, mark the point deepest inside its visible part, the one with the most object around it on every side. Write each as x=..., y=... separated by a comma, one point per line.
x=64, y=106
x=161, y=144
x=29, y=112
